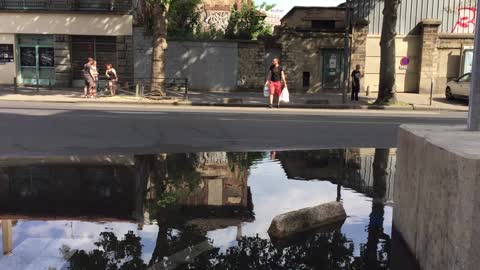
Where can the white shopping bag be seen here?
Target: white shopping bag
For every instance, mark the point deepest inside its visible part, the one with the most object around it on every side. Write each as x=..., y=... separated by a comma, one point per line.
x=266, y=90
x=285, y=96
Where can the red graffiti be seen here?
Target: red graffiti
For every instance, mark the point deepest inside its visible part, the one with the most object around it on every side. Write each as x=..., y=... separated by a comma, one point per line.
x=466, y=20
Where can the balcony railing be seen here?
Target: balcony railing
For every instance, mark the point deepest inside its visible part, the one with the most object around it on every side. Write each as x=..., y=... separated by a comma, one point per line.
x=120, y=6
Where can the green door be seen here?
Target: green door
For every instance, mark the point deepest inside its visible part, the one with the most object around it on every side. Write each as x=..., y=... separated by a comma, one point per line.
x=332, y=69
x=37, y=60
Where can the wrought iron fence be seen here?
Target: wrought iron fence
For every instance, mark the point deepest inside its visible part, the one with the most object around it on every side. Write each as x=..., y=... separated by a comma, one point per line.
x=68, y=5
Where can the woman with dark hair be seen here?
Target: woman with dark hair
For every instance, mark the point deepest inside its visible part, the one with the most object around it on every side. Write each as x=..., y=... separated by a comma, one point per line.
x=112, y=78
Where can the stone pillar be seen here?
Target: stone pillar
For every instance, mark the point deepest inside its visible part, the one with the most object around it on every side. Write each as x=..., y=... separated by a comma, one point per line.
x=429, y=58
x=63, y=61
x=125, y=58
x=359, y=46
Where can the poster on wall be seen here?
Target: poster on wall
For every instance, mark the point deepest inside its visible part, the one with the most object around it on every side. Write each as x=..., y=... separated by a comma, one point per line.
x=6, y=53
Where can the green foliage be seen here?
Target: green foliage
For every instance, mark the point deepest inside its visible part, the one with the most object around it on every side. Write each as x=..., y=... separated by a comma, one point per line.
x=184, y=18
x=111, y=254
x=247, y=23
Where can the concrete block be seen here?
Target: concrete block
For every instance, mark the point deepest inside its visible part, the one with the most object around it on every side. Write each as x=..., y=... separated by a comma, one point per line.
x=307, y=219
x=437, y=194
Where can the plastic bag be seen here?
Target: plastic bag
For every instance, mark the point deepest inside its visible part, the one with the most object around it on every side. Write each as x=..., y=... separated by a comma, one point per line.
x=266, y=90
x=285, y=96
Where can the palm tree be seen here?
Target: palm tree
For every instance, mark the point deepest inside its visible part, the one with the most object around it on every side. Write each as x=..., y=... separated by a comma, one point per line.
x=386, y=90
x=158, y=9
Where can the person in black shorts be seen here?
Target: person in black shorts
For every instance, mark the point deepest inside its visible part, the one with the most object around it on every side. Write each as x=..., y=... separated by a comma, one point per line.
x=112, y=78
x=88, y=77
x=356, y=76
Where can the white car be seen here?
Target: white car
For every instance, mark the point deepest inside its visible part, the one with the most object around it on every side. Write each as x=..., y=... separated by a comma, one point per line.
x=459, y=88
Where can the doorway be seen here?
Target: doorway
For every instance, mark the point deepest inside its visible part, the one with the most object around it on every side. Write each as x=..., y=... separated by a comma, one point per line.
x=37, y=60
x=332, y=69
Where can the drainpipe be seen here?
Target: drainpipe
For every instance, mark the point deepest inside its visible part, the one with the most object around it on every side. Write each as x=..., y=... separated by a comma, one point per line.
x=474, y=111
x=346, y=57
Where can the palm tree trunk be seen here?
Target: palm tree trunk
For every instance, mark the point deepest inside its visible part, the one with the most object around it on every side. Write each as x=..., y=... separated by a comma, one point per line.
x=159, y=44
x=386, y=89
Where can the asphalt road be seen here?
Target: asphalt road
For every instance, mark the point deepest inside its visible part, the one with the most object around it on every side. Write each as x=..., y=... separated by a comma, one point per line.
x=38, y=129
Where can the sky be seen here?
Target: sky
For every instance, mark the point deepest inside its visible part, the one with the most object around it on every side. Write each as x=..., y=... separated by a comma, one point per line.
x=286, y=5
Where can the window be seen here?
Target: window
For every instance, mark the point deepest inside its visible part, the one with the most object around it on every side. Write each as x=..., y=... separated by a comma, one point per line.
x=323, y=24
x=306, y=79
x=465, y=78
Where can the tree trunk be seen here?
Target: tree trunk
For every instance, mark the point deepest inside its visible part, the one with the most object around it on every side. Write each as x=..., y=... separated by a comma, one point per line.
x=159, y=46
x=386, y=88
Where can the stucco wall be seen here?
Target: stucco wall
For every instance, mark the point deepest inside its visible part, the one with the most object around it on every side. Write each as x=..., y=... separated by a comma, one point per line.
x=407, y=80
x=450, y=57
x=65, y=23
x=7, y=70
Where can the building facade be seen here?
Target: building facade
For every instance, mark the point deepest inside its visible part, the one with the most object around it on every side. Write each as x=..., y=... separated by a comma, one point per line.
x=47, y=42
x=434, y=43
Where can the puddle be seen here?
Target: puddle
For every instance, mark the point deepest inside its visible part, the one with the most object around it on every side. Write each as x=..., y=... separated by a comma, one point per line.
x=196, y=211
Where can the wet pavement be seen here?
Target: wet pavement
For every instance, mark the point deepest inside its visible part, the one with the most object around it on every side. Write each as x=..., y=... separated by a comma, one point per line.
x=208, y=210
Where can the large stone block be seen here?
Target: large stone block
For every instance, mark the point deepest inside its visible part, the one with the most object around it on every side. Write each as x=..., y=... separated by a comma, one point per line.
x=291, y=223
x=437, y=195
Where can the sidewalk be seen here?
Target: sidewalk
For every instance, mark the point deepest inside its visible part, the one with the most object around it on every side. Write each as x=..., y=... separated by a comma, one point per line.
x=314, y=101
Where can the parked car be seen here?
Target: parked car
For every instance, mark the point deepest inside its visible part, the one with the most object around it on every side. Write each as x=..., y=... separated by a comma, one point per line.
x=459, y=88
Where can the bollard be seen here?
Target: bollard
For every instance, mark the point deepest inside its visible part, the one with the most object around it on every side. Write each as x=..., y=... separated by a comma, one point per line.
x=368, y=90
x=137, y=89
x=431, y=91
x=15, y=84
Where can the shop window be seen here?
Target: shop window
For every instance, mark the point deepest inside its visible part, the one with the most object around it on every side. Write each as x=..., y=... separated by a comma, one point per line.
x=101, y=48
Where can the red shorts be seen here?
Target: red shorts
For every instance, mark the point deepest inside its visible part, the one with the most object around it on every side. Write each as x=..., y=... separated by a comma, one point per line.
x=275, y=88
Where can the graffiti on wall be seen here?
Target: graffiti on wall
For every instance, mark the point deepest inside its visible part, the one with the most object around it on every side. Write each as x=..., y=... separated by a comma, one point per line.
x=217, y=19
x=466, y=20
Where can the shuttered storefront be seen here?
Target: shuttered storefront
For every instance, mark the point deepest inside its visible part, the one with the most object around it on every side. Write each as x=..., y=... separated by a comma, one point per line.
x=101, y=48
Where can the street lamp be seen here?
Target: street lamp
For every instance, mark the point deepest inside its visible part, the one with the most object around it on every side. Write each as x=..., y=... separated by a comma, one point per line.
x=474, y=112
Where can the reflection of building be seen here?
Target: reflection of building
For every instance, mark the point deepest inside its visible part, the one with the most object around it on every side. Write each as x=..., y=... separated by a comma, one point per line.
x=50, y=40
x=351, y=168
x=92, y=189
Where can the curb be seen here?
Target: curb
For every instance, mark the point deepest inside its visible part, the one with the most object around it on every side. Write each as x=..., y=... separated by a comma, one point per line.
x=410, y=107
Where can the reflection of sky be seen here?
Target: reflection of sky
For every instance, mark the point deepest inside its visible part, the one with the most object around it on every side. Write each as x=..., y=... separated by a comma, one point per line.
x=273, y=194
x=37, y=243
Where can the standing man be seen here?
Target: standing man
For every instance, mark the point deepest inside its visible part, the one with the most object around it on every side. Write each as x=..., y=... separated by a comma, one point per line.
x=275, y=77
x=356, y=75
x=88, y=77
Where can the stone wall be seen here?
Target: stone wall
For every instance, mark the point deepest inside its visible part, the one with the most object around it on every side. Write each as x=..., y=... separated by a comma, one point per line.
x=437, y=195
x=125, y=58
x=63, y=61
x=450, y=58
x=252, y=65
x=302, y=52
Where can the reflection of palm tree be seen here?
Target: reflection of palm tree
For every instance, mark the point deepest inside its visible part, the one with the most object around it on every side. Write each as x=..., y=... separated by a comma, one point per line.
x=372, y=258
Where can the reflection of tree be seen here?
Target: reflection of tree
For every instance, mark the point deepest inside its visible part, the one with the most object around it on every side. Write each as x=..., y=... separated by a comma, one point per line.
x=322, y=251
x=111, y=254
x=371, y=257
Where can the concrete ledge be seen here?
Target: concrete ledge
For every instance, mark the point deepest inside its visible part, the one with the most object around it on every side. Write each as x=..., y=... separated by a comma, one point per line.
x=437, y=195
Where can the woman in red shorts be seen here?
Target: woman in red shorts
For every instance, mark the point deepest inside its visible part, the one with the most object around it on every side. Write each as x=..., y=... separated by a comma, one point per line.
x=275, y=77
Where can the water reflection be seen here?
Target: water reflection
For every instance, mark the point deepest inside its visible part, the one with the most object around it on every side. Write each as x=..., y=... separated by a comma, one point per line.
x=194, y=211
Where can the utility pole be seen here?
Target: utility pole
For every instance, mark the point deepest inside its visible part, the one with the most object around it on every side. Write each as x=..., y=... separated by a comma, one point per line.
x=474, y=112
x=346, y=57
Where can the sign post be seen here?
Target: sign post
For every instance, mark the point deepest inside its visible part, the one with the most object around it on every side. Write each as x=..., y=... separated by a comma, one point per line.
x=474, y=111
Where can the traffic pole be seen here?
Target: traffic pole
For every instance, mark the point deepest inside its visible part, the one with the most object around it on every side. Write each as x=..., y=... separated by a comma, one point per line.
x=474, y=111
